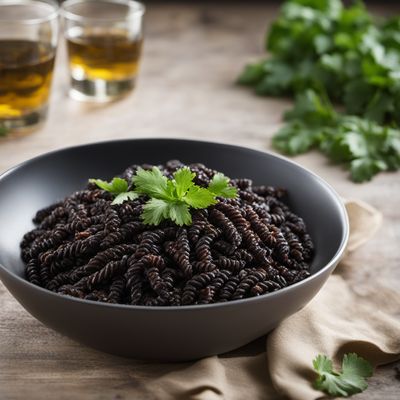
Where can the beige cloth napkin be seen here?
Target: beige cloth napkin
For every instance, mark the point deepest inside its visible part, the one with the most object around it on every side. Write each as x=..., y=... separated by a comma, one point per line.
x=336, y=321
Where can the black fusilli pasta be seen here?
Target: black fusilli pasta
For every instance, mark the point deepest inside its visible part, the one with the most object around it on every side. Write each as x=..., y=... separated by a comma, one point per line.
x=86, y=247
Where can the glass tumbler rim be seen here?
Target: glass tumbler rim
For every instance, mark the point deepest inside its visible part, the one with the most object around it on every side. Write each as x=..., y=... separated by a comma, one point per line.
x=136, y=9
x=52, y=15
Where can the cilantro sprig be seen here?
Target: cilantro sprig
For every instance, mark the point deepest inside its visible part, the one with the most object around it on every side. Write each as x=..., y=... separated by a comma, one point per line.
x=168, y=198
x=351, y=380
x=322, y=52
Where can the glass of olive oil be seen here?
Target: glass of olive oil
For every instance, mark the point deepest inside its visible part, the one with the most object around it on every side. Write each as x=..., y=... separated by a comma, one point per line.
x=104, y=41
x=28, y=40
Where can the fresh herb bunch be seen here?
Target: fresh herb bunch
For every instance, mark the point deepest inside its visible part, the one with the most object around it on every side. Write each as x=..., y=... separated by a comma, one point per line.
x=366, y=147
x=322, y=52
x=349, y=381
x=168, y=198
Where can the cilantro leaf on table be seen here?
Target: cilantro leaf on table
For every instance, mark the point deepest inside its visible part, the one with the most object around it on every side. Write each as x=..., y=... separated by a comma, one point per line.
x=349, y=381
x=252, y=74
x=296, y=138
x=313, y=109
x=363, y=169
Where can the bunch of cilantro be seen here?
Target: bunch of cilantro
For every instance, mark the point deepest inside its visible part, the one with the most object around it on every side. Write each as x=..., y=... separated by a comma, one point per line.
x=324, y=53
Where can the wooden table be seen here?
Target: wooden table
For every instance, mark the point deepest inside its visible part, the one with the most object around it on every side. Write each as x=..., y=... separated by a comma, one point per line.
x=192, y=55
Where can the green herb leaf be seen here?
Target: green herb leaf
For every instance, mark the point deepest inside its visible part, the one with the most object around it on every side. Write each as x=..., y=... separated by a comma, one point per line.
x=118, y=187
x=219, y=186
x=346, y=383
x=183, y=181
x=151, y=182
x=296, y=138
x=363, y=169
x=180, y=214
x=312, y=109
x=278, y=78
x=198, y=197
x=155, y=210
x=251, y=74
x=122, y=197
x=115, y=187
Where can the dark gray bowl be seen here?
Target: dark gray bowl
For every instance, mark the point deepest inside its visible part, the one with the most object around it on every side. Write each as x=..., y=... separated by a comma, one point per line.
x=169, y=333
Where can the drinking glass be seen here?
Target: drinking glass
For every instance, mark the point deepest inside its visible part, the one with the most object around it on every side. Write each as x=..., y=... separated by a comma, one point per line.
x=28, y=41
x=104, y=41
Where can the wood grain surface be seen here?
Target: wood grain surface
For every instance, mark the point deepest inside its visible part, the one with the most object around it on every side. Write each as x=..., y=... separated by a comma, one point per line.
x=192, y=55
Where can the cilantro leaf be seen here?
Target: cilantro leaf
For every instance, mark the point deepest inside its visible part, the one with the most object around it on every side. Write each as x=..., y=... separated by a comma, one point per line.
x=322, y=364
x=278, y=78
x=180, y=214
x=198, y=197
x=151, y=182
x=355, y=369
x=157, y=210
x=115, y=187
x=251, y=74
x=345, y=146
x=312, y=108
x=219, y=186
x=296, y=138
x=118, y=187
x=380, y=105
x=363, y=169
x=356, y=95
x=154, y=211
x=122, y=197
x=346, y=383
x=183, y=181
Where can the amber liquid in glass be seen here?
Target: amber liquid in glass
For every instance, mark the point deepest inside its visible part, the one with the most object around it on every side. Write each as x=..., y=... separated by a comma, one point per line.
x=109, y=56
x=26, y=69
